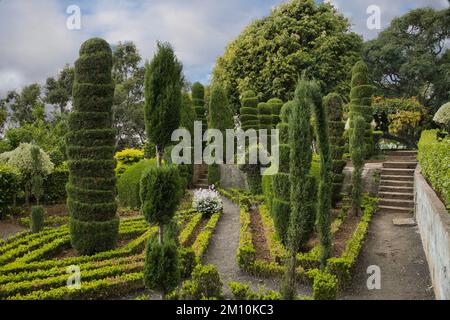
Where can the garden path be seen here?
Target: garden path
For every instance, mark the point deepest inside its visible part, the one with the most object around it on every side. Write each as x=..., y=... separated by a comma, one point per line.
x=222, y=250
x=8, y=229
x=397, y=250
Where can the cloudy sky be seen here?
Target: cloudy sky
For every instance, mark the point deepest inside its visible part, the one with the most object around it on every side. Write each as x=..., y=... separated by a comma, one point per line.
x=35, y=41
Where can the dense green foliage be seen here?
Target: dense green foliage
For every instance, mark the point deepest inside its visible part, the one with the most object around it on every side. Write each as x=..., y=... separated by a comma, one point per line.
x=249, y=120
x=400, y=119
x=37, y=180
x=126, y=158
x=220, y=117
x=434, y=159
x=162, y=90
x=128, y=107
x=160, y=192
x=129, y=184
x=357, y=154
x=55, y=185
x=58, y=91
x=276, y=105
x=161, y=268
x=9, y=186
x=334, y=105
x=361, y=104
x=410, y=57
x=37, y=219
x=198, y=99
x=271, y=52
x=90, y=147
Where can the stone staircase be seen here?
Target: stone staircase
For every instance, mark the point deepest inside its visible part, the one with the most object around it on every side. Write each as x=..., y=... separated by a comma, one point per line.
x=396, y=191
x=201, y=181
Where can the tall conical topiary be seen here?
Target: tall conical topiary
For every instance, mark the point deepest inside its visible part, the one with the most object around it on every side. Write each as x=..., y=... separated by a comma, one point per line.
x=281, y=206
x=162, y=91
x=334, y=105
x=249, y=120
x=220, y=117
x=357, y=152
x=90, y=149
x=361, y=104
x=198, y=99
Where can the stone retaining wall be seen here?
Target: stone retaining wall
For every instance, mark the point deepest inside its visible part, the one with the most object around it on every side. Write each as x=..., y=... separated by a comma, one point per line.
x=434, y=225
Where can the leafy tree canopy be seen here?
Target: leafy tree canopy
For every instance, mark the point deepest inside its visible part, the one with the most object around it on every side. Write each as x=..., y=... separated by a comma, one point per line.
x=410, y=58
x=58, y=92
x=271, y=53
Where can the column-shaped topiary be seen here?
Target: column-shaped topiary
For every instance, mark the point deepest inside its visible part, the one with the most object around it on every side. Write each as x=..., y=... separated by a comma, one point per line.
x=361, y=104
x=281, y=206
x=265, y=116
x=198, y=99
x=162, y=90
x=90, y=149
x=249, y=120
x=161, y=191
x=37, y=219
x=276, y=105
x=307, y=99
x=334, y=105
x=357, y=152
x=220, y=117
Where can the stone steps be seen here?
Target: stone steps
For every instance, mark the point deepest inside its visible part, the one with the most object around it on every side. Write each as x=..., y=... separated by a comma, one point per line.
x=396, y=195
x=394, y=210
x=402, y=153
x=385, y=177
x=397, y=203
x=395, y=189
x=397, y=172
x=400, y=165
x=396, y=183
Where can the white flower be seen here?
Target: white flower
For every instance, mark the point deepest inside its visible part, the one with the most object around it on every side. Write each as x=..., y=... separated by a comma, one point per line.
x=207, y=201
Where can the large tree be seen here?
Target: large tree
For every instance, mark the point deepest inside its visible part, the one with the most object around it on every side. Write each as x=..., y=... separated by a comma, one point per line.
x=27, y=106
x=410, y=58
x=163, y=84
x=270, y=53
x=128, y=107
x=58, y=92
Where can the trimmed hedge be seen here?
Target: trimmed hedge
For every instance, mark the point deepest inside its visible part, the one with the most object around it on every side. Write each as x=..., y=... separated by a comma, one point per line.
x=90, y=152
x=129, y=184
x=434, y=159
x=126, y=158
x=55, y=185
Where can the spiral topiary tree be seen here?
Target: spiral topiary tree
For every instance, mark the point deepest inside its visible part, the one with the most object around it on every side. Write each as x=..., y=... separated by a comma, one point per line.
x=361, y=104
x=281, y=207
x=334, y=106
x=91, y=191
x=198, y=99
x=249, y=120
x=276, y=105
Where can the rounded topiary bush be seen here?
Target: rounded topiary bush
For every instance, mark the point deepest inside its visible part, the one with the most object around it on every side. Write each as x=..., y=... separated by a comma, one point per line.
x=442, y=116
x=161, y=191
x=90, y=149
x=129, y=184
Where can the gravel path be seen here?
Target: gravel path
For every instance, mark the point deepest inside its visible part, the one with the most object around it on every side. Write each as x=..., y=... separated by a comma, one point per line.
x=399, y=253
x=8, y=229
x=222, y=250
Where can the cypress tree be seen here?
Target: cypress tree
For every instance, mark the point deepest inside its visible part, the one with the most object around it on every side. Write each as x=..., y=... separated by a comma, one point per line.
x=361, y=104
x=90, y=149
x=220, y=117
x=334, y=105
x=300, y=141
x=162, y=90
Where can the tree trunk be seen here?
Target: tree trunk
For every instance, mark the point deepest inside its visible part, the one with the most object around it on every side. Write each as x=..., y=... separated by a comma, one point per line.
x=158, y=156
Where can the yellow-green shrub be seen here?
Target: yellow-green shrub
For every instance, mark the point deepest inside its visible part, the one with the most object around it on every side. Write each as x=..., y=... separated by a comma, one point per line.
x=127, y=158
